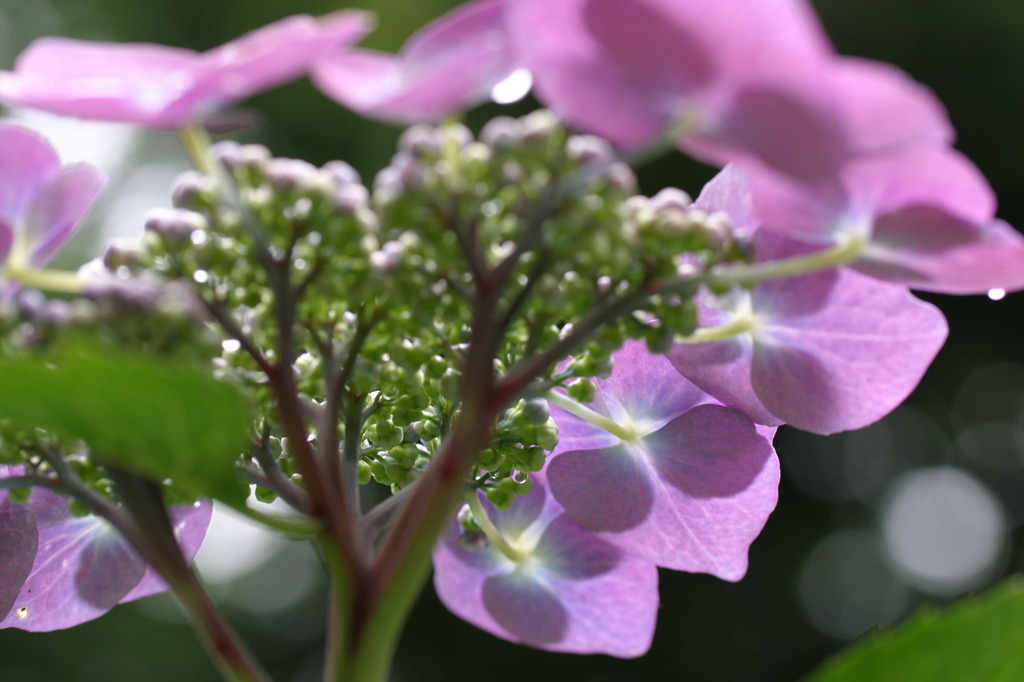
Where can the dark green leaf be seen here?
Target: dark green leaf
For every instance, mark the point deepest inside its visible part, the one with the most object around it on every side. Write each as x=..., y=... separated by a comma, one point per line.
x=975, y=639
x=145, y=414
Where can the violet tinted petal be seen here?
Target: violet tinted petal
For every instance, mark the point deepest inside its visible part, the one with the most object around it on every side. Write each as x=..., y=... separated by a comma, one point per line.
x=710, y=479
x=722, y=368
x=810, y=213
x=570, y=552
x=573, y=77
x=526, y=609
x=107, y=81
x=26, y=165
x=606, y=490
x=787, y=126
x=451, y=64
x=57, y=209
x=165, y=87
x=934, y=176
x=82, y=568
x=884, y=108
x=19, y=540
x=850, y=363
x=52, y=597
x=575, y=593
x=645, y=388
x=6, y=240
x=930, y=251
x=267, y=57
x=729, y=191
x=650, y=46
x=190, y=523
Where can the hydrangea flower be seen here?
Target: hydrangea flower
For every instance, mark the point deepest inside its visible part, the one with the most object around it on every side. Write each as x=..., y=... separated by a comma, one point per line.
x=450, y=64
x=167, y=87
x=923, y=217
x=736, y=80
x=737, y=77
x=563, y=589
x=60, y=571
x=662, y=471
x=825, y=352
x=41, y=202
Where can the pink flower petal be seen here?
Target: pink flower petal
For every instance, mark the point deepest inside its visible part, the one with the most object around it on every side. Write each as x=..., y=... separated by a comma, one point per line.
x=451, y=64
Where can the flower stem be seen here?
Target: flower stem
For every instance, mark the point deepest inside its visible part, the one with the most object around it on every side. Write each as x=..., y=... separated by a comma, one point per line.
x=740, y=325
x=489, y=529
x=60, y=281
x=148, y=528
x=196, y=144
x=587, y=414
x=847, y=249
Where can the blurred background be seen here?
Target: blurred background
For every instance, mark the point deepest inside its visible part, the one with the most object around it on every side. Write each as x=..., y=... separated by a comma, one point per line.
x=921, y=508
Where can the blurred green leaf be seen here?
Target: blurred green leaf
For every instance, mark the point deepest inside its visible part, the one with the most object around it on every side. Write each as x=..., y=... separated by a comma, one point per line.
x=145, y=414
x=975, y=639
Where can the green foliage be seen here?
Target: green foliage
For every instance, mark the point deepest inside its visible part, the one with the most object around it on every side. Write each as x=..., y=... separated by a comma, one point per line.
x=976, y=639
x=149, y=415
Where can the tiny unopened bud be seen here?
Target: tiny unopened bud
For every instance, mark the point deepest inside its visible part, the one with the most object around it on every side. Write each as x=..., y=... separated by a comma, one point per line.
x=621, y=176
x=501, y=132
x=120, y=253
x=30, y=303
x=175, y=225
x=420, y=140
x=192, y=189
x=538, y=126
x=227, y=153
x=671, y=198
x=589, y=149
x=288, y=175
x=342, y=173
x=536, y=411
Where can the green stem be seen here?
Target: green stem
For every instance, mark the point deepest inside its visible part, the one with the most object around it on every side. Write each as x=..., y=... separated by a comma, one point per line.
x=587, y=414
x=196, y=144
x=60, y=281
x=297, y=525
x=741, y=325
x=847, y=249
x=150, y=532
x=489, y=529
x=402, y=565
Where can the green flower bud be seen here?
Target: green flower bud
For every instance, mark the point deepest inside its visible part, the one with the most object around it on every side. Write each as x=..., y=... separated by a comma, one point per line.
x=582, y=391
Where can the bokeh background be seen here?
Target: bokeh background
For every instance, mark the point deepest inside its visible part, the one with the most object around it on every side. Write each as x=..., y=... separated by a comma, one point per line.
x=920, y=508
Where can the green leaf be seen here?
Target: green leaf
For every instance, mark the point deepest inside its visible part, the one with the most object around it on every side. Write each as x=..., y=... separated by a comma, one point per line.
x=144, y=414
x=974, y=639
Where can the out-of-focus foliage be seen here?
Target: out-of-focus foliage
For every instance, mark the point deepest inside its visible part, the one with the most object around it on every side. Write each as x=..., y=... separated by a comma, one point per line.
x=974, y=640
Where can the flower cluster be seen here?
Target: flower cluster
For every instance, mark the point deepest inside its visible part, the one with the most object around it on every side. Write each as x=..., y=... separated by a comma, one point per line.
x=655, y=473
x=434, y=331
x=61, y=569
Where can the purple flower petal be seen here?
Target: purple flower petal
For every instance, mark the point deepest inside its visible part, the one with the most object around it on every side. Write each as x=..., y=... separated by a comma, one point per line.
x=884, y=108
x=828, y=352
x=165, y=87
x=190, y=524
x=573, y=593
x=744, y=75
x=26, y=165
x=451, y=64
x=691, y=496
x=41, y=203
x=573, y=76
x=83, y=567
x=19, y=540
x=58, y=208
x=926, y=214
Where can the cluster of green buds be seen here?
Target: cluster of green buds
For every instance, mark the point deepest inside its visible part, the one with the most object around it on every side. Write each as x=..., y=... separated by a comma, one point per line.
x=368, y=295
